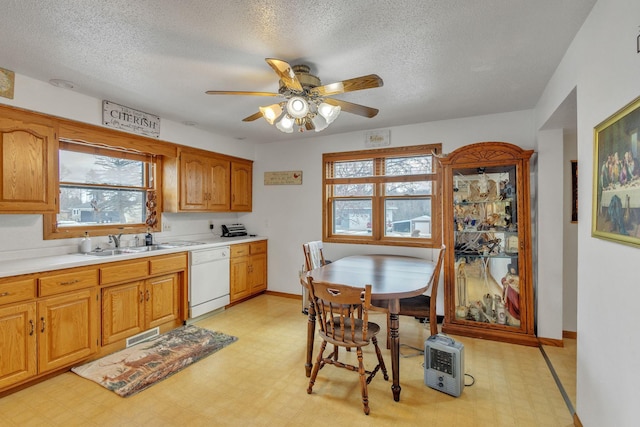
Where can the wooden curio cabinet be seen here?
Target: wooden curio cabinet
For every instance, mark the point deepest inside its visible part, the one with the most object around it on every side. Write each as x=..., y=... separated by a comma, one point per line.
x=487, y=226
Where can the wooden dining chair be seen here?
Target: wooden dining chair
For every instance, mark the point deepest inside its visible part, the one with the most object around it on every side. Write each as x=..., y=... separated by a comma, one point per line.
x=424, y=306
x=313, y=256
x=336, y=307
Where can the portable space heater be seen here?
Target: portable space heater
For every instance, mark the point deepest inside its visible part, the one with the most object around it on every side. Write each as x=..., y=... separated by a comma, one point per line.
x=444, y=364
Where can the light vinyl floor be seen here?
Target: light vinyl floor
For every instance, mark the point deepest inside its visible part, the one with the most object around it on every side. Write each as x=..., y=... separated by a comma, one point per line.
x=260, y=381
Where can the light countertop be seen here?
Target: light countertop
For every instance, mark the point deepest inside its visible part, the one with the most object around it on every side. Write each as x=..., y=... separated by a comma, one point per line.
x=17, y=267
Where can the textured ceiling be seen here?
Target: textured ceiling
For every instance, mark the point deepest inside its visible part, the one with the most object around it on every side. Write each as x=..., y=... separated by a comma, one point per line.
x=438, y=59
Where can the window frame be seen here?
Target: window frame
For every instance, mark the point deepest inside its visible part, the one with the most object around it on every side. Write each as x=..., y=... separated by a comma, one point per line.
x=107, y=142
x=378, y=198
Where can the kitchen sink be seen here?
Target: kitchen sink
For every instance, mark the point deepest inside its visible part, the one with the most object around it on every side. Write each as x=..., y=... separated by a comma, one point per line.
x=108, y=252
x=147, y=248
x=124, y=251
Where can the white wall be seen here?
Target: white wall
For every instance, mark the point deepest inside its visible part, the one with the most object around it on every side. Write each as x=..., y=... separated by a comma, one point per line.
x=550, y=210
x=292, y=214
x=603, y=64
x=570, y=241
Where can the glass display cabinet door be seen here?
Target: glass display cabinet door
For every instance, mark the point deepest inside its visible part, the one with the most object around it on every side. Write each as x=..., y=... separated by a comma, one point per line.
x=487, y=228
x=487, y=288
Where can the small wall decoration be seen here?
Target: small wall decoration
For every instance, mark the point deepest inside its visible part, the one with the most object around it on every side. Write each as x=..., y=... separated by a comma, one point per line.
x=378, y=138
x=283, y=178
x=574, y=191
x=7, y=81
x=130, y=120
x=616, y=201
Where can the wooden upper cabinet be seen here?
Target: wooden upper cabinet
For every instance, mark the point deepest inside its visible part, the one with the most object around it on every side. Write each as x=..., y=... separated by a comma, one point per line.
x=28, y=162
x=241, y=186
x=218, y=194
x=202, y=181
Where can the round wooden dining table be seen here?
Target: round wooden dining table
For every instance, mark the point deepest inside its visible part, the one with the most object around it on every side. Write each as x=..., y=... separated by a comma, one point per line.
x=392, y=277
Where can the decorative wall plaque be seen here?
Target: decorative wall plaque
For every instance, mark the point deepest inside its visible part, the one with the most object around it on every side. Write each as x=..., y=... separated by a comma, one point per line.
x=130, y=120
x=283, y=178
x=378, y=138
x=7, y=79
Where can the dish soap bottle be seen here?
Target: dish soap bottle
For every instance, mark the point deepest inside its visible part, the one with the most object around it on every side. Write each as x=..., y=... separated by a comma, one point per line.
x=148, y=238
x=85, y=244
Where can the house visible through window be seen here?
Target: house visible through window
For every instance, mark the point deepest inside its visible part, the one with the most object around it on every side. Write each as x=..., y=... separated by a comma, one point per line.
x=103, y=187
x=383, y=196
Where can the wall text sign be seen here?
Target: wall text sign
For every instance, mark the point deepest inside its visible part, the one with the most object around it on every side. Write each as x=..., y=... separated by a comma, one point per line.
x=130, y=120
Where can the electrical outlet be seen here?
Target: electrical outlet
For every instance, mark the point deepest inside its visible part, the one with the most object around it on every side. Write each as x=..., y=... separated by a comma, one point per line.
x=166, y=226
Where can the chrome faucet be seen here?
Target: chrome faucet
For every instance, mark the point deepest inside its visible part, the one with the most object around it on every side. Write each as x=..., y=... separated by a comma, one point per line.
x=115, y=239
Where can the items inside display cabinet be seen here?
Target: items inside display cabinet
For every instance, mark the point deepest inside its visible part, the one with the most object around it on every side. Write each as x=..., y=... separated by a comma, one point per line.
x=486, y=246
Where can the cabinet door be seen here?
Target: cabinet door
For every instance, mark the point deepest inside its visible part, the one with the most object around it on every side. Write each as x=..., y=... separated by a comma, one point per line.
x=162, y=300
x=240, y=286
x=241, y=186
x=219, y=185
x=28, y=164
x=122, y=311
x=194, y=173
x=17, y=343
x=258, y=273
x=67, y=329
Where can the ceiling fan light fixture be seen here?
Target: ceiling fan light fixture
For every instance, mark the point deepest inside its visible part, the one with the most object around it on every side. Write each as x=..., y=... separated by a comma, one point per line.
x=271, y=113
x=285, y=124
x=319, y=122
x=329, y=112
x=297, y=107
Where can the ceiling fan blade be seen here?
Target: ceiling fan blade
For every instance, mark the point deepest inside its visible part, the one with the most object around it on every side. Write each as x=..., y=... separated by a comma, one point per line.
x=350, y=107
x=253, y=117
x=358, y=83
x=240, y=92
x=286, y=74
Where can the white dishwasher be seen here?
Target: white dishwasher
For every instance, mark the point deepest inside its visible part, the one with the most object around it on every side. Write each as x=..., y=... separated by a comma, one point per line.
x=208, y=280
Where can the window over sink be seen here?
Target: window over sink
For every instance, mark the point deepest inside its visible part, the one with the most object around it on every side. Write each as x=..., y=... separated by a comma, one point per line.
x=104, y=190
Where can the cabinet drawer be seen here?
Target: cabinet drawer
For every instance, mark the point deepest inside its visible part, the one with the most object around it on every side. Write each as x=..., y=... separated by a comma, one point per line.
x=65, y=282
x=258, y=247
x=239, y=250
x=125, y=271
x=17, y=290
x=168, y=263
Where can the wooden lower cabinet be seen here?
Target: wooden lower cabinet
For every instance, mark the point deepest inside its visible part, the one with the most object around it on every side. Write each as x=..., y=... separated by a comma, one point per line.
x=67, y=327
x=248, y=272
x=134, y=307
x=38, y=337
x=18, y=349
x=52, y=320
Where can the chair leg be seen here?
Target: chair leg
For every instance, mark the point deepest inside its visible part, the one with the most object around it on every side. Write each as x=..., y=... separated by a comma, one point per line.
x=383, y=367
x=316, y=367
x=363, y=382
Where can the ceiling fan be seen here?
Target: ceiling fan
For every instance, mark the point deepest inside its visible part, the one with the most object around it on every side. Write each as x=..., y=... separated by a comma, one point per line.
x=306, y=101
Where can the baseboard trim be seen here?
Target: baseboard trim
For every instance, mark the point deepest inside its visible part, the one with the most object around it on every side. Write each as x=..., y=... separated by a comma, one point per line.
x=284, y=295
x=576, y=420
x=570, y=334
x=550, y=341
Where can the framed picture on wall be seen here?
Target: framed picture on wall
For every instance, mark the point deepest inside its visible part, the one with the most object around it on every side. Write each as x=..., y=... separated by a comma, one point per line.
x=616, y=201
x=574, y=191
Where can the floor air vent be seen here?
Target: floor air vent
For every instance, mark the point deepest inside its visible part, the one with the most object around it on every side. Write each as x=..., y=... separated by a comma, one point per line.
x=143, y=336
